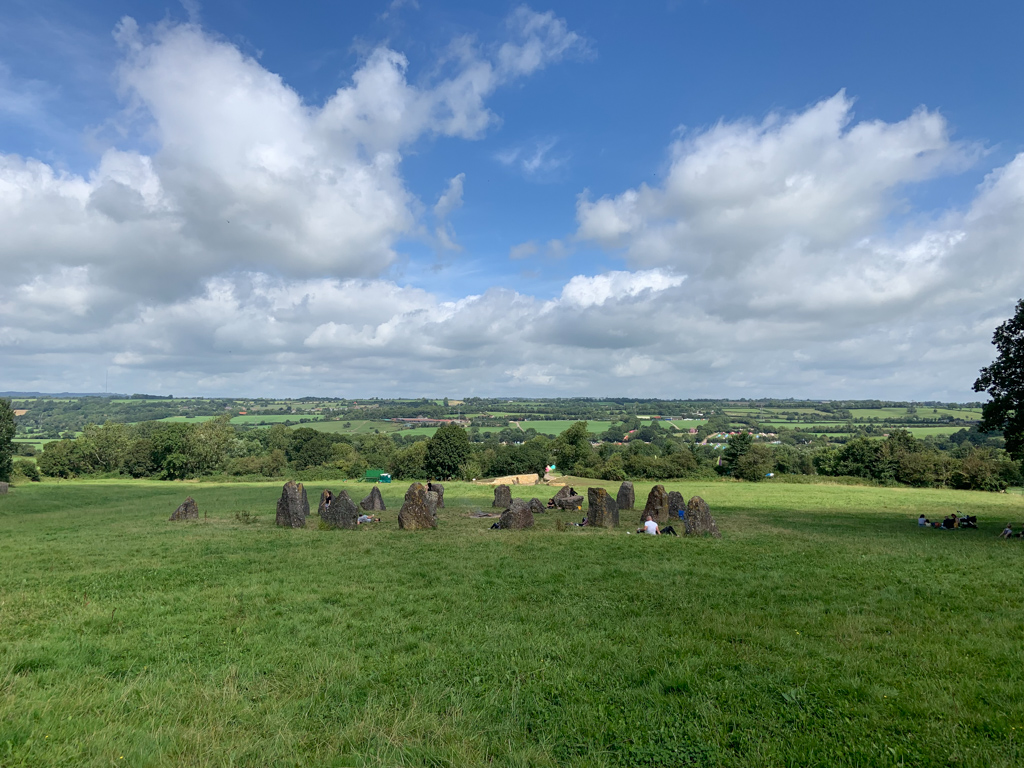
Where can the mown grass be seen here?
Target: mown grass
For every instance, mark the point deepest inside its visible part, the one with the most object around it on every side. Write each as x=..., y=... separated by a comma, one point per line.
x=825, y=628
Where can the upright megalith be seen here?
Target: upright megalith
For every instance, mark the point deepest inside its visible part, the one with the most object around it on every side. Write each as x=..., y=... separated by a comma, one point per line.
x=439, y=490
x=676, y=502
x=341, y=513
x=502, y=497
x=602, y=511
x=418, y=511
x=567, y=498
x=293, y=506
x=3, y=488
x=373, y=502
x=517, y=516
x=537, y=506
x=188, y=510
x=698, y=520
x=625, y=498
x=657, y=505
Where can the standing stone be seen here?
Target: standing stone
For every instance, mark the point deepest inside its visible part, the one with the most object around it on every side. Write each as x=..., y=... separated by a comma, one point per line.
x=325, y=502
x=502, y=497
x=566, y=499
x=293, y=506
x=625, y=499
x=418, y=511
x=439, y=490
x=189, y=510
x=373, y=502
x=657, y=505
x=341, y=513
x=517, y=516
x=602, y=511
x=3, y=488
x=537, y=506
x=698, y=520
x=675, y=503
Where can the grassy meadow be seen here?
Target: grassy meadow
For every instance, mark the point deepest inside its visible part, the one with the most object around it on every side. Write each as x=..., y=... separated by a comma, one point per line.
x=823, y=629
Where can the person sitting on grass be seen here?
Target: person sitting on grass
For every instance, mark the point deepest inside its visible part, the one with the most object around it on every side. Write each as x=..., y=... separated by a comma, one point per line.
x=1007, y=532
x=949, y=523
x=922, y=520
x=651, y=528
x=551, y=504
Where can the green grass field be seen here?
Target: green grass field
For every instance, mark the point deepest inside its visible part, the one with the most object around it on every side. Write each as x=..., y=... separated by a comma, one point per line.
x=923, y=413
x=557, y=427
x=257, y=418
x=358, y=426
x=186, y=419
x=824, y=629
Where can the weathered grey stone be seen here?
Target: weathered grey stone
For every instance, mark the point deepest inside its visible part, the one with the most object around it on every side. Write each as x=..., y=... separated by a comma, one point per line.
x=698, y=521
x=373, y=502
x=188, y=510
x=567, y=498
x=537, y=506
x=293, y=506
x=433, y=498
x=675, y=503
x=656, y=506
x=418, y=511
x=626, y=498
x=3, y=488
x=325, y=502
x=517, y=516
x=439, y=490
x=341, y=513
x=502, y=497
x=602, y=511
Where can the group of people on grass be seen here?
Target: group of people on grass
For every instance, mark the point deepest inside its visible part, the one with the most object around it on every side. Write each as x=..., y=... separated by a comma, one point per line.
x=950, y=522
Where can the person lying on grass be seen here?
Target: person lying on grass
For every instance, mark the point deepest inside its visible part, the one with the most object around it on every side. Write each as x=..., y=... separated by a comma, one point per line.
x=651, y=528
x=367, y=519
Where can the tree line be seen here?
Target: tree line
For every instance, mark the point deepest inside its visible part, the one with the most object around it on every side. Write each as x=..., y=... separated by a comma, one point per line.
x=216, y=448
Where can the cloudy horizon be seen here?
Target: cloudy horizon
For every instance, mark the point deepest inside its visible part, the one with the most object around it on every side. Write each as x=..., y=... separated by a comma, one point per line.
x=435, y=201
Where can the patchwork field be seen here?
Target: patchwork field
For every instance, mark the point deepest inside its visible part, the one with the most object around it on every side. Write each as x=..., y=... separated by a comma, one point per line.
x=824, y=629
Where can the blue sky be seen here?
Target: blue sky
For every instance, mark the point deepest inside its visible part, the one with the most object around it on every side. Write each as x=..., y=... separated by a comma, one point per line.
x=675, y=199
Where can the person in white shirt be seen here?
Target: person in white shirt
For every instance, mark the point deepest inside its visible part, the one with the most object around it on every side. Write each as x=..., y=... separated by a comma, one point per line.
x=651, y=527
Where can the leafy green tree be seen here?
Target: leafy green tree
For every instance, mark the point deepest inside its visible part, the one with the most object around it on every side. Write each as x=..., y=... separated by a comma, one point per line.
x=28, y=469
x=735, y=450
x=1004, y=382
x=447, y=451
x=377, y=450
x=408, y=463
x=572, y=449
x=6, y=441
x=755, y=463
x=59, y=459
x=309, y=448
